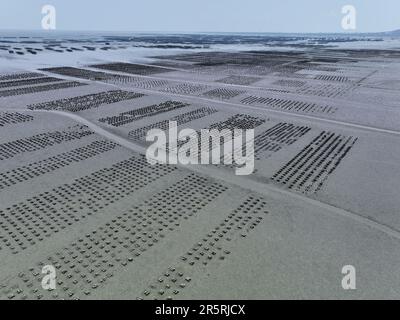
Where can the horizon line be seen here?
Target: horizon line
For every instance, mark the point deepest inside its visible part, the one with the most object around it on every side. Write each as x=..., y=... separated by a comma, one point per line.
x=199, y=32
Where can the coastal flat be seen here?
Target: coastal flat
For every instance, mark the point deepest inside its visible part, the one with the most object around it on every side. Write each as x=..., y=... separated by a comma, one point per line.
x=77, y=193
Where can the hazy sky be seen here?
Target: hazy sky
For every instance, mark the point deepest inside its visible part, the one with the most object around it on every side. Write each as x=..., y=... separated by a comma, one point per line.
x=202, y=15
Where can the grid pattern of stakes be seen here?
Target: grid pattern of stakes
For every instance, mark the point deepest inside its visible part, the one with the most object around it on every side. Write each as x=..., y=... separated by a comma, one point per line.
x=42, y=141
x=140, y=133
x=309, y=169
x=80, y=73
x=87, y=264
x=222, y=93
x=274, y=139
x=131, y=68
x=270, y=141
x=238, y=121
x=39, y=168
x=289, y=83
x=27, y=82
x=185, y=88
x=119, y=79
x=35, y=219
x=239, y=80
x=36, y=89
x=210, y=250
x=141, y=83
x=276, y=90
x=7, y=118
x=137, y=114
x=326, y=90
x=149, y=84
x=85, y=102
x=291, y=75
x=332, y=78
x=289, y=105
x=16, y=76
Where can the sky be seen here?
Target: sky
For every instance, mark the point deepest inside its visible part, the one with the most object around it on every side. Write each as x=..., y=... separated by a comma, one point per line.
x=201, y=15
